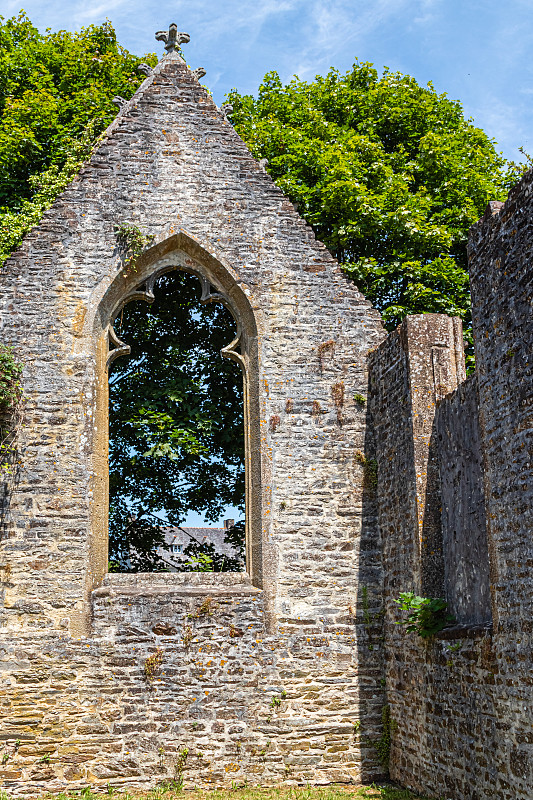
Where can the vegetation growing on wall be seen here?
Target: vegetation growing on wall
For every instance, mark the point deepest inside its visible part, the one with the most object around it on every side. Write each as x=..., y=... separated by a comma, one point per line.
x=424, y=615
x=10, y=397
x=132, y=242
x=55, y=100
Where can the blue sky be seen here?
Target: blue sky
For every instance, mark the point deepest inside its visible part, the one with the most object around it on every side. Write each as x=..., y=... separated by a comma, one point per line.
x=478, y=51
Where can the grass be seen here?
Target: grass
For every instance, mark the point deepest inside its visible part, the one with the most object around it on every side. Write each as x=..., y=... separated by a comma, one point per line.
x=239, y=792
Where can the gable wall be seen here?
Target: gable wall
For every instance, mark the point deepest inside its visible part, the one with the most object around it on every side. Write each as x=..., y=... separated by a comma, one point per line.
x=172, y=165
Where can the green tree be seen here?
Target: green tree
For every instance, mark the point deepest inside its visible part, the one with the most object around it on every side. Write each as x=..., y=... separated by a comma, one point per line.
x=389, y=174
x=176, y=422
x=55, y=100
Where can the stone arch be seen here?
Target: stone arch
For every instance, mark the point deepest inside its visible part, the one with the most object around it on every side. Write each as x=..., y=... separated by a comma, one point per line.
x=219, y=284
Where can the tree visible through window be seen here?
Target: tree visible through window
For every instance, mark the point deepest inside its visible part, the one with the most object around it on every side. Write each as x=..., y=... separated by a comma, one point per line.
x=176, y=439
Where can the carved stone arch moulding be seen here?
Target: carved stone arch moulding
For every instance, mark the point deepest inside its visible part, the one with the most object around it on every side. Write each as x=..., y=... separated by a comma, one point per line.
x=219, y=283
x=145, y=291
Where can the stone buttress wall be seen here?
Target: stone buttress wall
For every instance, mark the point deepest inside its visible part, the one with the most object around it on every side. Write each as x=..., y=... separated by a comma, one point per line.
x=73, y=685
x=460, y=701
x=443, y=721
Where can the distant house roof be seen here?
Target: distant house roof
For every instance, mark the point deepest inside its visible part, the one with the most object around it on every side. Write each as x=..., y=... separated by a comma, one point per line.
x=177, y=538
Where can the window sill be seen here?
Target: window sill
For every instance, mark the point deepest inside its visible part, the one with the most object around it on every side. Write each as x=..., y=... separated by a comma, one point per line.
x=190, y=584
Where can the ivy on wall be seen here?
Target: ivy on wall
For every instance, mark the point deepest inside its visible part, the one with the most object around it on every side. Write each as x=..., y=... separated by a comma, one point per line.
x=10, y=400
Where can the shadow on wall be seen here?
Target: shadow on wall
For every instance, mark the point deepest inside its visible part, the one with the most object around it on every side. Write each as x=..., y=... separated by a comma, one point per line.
x=455, y=448
x=373, y=725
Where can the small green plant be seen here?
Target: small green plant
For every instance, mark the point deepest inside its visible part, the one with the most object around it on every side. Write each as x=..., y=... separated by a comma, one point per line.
x=425, y=616
x=206, y=608
x=187, y=636
x=360, y=400
x=179, y=767
x=370, y=471
x=453, y=648
x=132, y=241
x=262, y=753
x=10, y=407
x=201, y=563
x=275, y=702
x=45, y=759
x=234, y=632
x=5, y=758
x=357, y=726
x=152, y=665
x=10, y=374
x=383, y=744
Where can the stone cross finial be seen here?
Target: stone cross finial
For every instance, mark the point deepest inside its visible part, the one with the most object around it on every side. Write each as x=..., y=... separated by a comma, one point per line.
x=172, y=38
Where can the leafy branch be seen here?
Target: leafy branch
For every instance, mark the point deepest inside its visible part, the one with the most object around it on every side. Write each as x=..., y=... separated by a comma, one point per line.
x=425, y=616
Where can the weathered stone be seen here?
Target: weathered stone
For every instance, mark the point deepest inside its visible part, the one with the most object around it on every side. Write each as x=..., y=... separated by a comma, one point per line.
x=282, y=678
x=455, y=490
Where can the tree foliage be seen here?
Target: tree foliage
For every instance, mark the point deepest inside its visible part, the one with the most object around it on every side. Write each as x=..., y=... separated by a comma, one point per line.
x=55, y=101
x=176, y=420
x=389, y=174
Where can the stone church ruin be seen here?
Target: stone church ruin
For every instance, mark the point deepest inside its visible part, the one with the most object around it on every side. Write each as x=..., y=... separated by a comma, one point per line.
x=295, y=670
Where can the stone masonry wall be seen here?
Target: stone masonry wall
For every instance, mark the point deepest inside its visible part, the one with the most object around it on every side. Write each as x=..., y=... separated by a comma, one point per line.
x=501, y=276
x=444, y=724
x=73, y=641
x=228, y=702
x=464, y=528
x=459, y=702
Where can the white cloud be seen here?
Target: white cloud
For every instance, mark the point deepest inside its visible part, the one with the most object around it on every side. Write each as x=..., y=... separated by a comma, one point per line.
x=333, y=27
